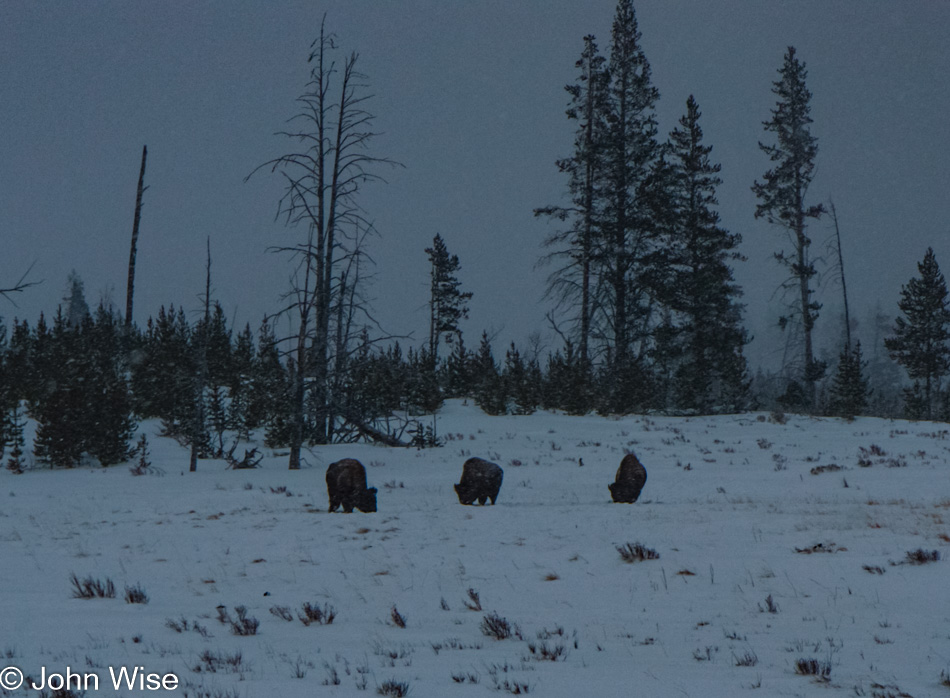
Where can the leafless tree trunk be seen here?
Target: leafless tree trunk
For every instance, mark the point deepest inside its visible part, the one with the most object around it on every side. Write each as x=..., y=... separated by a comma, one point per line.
x=844, y=286
x=130, y=289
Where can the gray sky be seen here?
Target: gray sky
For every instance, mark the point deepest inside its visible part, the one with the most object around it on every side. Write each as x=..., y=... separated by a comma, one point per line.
x=469, y=97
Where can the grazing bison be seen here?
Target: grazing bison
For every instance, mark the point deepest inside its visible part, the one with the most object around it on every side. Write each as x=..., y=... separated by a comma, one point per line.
x=481, y=480
x=346, y=485
x=631, y=477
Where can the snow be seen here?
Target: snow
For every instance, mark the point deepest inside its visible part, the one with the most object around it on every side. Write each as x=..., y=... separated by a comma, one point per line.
x=729, y=502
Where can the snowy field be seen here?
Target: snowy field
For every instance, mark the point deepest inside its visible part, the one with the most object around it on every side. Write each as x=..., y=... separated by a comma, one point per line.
x=786, y=566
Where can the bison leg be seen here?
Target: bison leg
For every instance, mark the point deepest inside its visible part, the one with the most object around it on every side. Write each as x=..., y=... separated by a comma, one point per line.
x=347, y=507
x=333, y=505
x=493, y=500
x=482, y=500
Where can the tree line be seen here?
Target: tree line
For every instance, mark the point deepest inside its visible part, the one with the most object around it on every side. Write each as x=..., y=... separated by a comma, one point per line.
x=645, y=305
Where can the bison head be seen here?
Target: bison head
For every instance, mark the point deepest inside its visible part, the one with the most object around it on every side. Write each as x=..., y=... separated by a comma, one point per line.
x=467, y=494
x=366, y=502
x=622, y=492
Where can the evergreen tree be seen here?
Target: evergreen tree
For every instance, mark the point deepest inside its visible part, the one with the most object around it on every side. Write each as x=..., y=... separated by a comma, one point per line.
x=709, y=338
x=59, y=410
x=107, y=423
x=624, y=387
x=423, y=395
x=457, y=372
x=240, y=385
x=490, y=394
x=18, y=373
x=630, y=154
x=217, y=336
x=573, y=281
x=447, y=304
x=42, y=364
x=781, y=197
x=270, y=396
x=849, y=393
x=86, y=407
x=567, y=384
x=15, y=374
x=920, y=337
x=521, y=382
x=77, y=310
x=163, y=381
x=6, y=391
x=15, y=439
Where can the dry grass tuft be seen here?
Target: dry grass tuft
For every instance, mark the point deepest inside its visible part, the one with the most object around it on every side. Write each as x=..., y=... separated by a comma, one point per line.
x=636, y=552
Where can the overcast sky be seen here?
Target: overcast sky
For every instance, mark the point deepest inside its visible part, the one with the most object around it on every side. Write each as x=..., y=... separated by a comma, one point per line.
x=469, y=97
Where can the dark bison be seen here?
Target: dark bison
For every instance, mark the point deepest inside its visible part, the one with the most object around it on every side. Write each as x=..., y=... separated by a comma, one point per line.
x=631, y=477
x=346, y=485
x=481, y=480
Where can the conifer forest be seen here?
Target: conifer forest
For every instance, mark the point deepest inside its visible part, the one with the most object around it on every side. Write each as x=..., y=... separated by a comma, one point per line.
x=642, y=310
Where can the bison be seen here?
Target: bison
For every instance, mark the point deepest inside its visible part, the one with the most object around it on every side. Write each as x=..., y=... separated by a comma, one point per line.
x=631, y=477
x=481, y=480
x=346, y=485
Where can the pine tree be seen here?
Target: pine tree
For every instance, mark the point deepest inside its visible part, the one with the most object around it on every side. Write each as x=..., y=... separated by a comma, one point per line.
x=567, y=384
x=60, y=409
x=77, y=309
x=630, y=154
x=521, y=382
x=423, y=395
x=15, y=440
x=6, y=391
x=920, y=337
x=574, y=279
x=270, y=396
x=781, y=197
x=15, y=370
x=708, y=336
x=218, y=345
x=107, y=423
x=457, y=372
x=240, y=385
x=163, y=380
x=490, y=394
x=447, y=304
x=849, y=393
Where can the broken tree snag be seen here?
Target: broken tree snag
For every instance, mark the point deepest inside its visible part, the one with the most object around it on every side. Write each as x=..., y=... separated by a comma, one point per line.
x=130, y=290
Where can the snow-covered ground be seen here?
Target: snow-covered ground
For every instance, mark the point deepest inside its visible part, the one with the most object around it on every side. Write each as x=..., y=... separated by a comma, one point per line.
x=763, y=566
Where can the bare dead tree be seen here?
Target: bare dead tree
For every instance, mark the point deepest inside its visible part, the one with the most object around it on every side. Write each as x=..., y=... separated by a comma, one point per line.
x=323, y=179
x=130, y=289
x=21, y=285
x=844, y=287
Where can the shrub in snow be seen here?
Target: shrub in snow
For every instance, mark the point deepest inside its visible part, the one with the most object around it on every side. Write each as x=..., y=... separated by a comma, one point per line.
x=394, y=688
x=497, y=627
x=135, y=594
x=635, y=552
x=90, y=588
x=921, y=556
x=812, y=667
x=243, y=626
